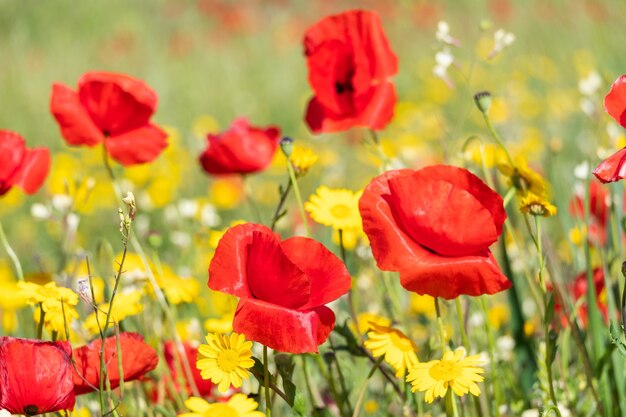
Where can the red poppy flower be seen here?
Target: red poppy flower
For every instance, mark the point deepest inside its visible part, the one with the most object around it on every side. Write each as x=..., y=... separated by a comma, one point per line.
x=578, y=290
x=35, y=376
x=282, y=286
x=20, y=166
x=614, y=167
x=349, y=61
x=113, y=109
x=204, y=386
x=242, y=149
x=599, y=200
x=435, y=226
x=137, y=360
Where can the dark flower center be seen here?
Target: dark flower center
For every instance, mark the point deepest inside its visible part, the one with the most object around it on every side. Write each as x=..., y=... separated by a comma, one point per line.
x=343, y=87
x=31, y=410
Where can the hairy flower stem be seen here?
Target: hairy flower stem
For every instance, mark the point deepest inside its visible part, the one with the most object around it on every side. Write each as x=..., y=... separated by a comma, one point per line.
x=42, y=315
x=440, y=328
x=342, y=381
x=497, y=138
x=266, y=383
x=19, y=272
x=459, y=315
x=492, y=357
x=283, y=197
x=296, y=191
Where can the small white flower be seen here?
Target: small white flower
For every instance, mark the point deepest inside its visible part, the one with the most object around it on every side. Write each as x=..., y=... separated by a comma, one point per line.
x=209, y=216
x=505, y=346
x=39, y=212
x=180, y=239
x=581, y=171
x=443, y=34
x=501, y=39
x=443, y=60
x=187, y=208
x=588, y=106
x=62, y=202
x=589, y=85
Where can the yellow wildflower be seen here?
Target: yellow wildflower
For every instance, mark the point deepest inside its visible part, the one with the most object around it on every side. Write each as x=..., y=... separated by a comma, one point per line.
x=537, y=206
x=237, y=406
x=302, y=159
x=225, y=360
x=398, y=349
x=338, y=208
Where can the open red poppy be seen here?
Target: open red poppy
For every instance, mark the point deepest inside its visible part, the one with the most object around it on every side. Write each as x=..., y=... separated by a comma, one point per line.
x=349, y=61
x=614, y=167
x=242, y=149
x=137, y=360
x=434, y=226
x=26, y=168
x=113, y=109
x=35, y=376
x=282, y=286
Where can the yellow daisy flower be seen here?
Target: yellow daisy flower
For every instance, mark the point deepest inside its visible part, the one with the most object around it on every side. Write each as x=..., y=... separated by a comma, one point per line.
x=398, y=349
x=237, y=406
x=454, y=371
x=523, y=178
x=338, y=208
x=225, y=360
x=536, y=206
x=364, y=320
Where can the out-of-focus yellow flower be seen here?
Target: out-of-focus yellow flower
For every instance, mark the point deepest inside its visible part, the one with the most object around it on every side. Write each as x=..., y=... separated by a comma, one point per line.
x=498, y=315
x=177, y=289
x=364, y=319
x=222, y=324
x=523, y=178
x=536, y=206
x=225, y=360
x=398, y=349
x=226, y=193
x=370, y=406
x=125, y=304
x=203, y=125
x=529, y=328
x=11, y=200
x=492, y=154
x=576, y=235
x=350, y=237
x=302, y=159
x=338, y=208
x=454, y=371
x=422, y=304
x=54, y=301
x=237, y=406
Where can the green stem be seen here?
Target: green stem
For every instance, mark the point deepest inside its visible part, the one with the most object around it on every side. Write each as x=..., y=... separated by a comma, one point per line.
x=283, y=197
x=492, y=357
x=459, y=314
x=9, y=250
x=42, y=315
x=296, y=190
x=342, y=381
x=363, y=391
x=266, y=383
x=497, y=138
x=441, y=329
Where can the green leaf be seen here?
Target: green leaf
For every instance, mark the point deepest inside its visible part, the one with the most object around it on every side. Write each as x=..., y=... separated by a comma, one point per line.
x=549, y=310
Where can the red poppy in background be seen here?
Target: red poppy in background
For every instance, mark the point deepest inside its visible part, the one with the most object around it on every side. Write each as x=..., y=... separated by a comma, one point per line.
x=35, y=376
x=26, y=168
x=204, y=386
x=113, y=109
x=599, y=200
x=578, y=290
x=614, y=167
x=282, y=285
x=242, y=149
x=137, y=360
x=435, y=226
x=349, y=61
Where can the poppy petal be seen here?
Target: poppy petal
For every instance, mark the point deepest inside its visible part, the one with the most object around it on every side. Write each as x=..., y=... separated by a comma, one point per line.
x=441, y=216
x=612, y=168
x=35, y=376
x=77, y=128
x=329, y=278
x=117, y=103
x=283, y=329
x=137, y=146
x=615, y=101
x=34, y=169
x=137, y=359
x=12, y=151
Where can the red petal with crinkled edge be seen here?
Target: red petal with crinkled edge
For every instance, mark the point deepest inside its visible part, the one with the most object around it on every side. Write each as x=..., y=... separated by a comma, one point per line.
x=76, y=125
x=612, y=168
x=283, y=329
x=615, y=101
x=249, y=261
x=137, y=359
x=35, y=376
x=376, y=112
x=420, y=269
x=117, y=103
x=137, y=146
x=34, y=170
x=329, y=278
x=242, y=149
x=436, y=207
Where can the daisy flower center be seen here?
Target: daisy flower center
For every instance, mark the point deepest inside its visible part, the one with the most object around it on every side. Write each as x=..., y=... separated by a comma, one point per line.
x=221, y=410
x=445, y=370
x=228, y=360
x=340, y=211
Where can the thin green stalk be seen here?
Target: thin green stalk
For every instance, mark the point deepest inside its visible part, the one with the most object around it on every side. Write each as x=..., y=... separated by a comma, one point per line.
x=440, y=328
x=266, y=383
x=497, y=138
x=296, y=191
x=363, y=391
x=342, y=381
x=19, y=272
x=283, y=198
x=331, y=384
x=42, y=315
x=492, y=357
x=459, y=315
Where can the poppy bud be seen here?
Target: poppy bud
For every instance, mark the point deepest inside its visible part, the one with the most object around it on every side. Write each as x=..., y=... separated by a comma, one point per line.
x=286, y=145
x=483, y=101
